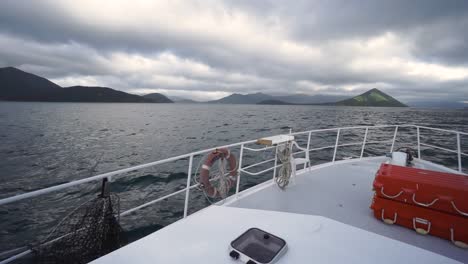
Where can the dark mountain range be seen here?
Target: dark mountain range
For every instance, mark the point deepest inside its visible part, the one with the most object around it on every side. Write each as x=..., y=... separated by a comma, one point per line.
x=17, y=85
x=257, y=98
x=95, y=94
x=158, y=98
x=242, y=99
x=273, y=102
x=182, y=100
x=373, y=97
x=186, y=101
x=310, y=99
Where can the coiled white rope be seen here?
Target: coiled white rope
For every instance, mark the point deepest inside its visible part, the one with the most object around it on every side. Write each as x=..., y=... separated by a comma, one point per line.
x=284, y=173
x=222, y=184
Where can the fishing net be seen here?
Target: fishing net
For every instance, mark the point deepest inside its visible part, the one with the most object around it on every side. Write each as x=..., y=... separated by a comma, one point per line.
x=91, y=230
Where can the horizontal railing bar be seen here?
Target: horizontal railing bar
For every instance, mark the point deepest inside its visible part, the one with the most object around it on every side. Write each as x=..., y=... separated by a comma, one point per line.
x=256, y=164
x=259, y=149
x=225, y=146
x=368, y=142
x=443, y=130
x=313, y=131
x=153, y=201
x=260, y=172
x=377, y=142
x=349, y=144
x=343, y=128
x=437, y=147
x=321, y=148
x=299, y=152
x=345, y=145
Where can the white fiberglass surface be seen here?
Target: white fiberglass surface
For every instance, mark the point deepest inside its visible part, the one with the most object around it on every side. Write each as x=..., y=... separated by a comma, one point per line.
x=343, y=192
x=205, y=236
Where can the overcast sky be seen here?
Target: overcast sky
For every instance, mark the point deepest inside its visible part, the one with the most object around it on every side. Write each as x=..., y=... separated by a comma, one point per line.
x=209, y=49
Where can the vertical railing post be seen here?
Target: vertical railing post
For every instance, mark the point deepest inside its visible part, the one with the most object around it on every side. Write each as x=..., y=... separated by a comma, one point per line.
x=459, y=153
x=276, y=162
x=336, y=144
x=241, y=153
x=187, y=187
x=364, y=143
x=307, y=149
x=419, y=143
x=394, y=138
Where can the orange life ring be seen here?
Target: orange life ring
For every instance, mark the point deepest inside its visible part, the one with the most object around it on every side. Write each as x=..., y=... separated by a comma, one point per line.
x=222, y=153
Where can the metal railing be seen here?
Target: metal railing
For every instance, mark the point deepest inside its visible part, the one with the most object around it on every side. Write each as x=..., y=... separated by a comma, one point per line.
x=243, y=147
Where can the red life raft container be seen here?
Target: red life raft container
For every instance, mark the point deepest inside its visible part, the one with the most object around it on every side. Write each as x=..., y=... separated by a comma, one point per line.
x=423, y=220
x=445, y=192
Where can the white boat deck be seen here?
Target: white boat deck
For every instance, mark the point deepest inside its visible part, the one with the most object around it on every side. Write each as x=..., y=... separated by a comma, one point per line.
x=324, y=217
x=343, y=192
x=204, y=238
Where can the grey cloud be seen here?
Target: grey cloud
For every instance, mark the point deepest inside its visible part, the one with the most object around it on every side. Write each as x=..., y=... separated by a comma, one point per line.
x=445, y=42
x=347, y=19
x=437, y=27
x=48, y=40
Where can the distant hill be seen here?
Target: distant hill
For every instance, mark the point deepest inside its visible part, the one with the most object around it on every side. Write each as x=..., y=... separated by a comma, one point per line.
x=257, y=98
x=273, y=102
x=310, y=99
x=242, y=99
x=95, y=94
x=182, y=100
x=17, y=85
x=186, y=101
x=158, y=98
x=372, y=97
